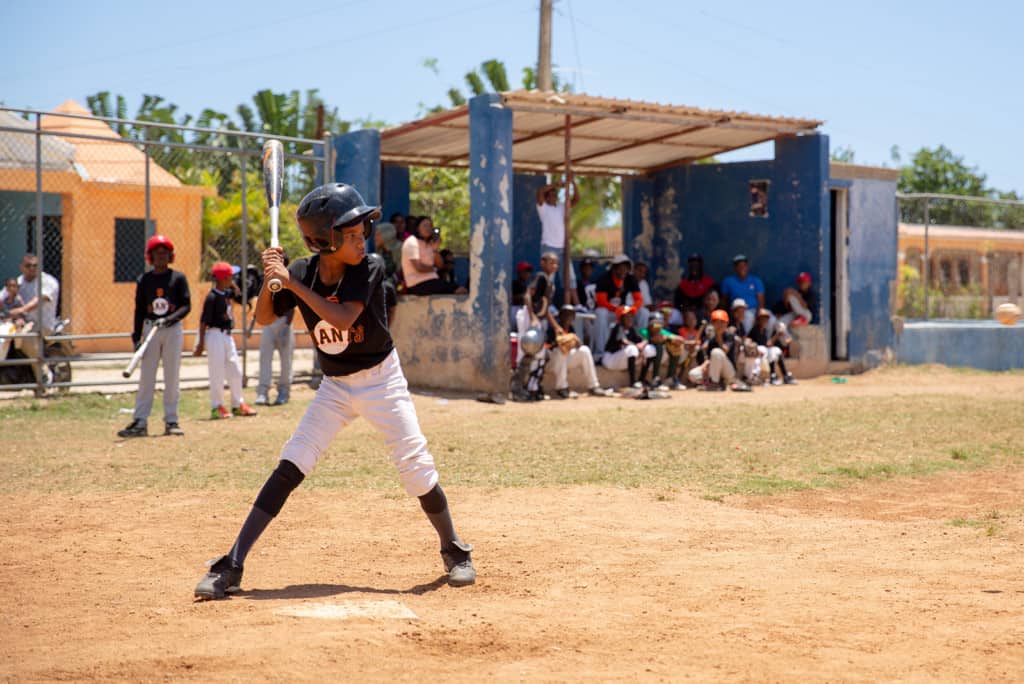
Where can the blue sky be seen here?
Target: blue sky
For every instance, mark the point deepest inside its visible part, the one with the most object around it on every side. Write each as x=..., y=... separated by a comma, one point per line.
x=908, y=73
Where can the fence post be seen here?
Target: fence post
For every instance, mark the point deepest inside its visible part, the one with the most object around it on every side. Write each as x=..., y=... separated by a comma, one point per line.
x=149, y=220
x=41, y=367
x=244, y=265
x=328, y=158
x=927, y=258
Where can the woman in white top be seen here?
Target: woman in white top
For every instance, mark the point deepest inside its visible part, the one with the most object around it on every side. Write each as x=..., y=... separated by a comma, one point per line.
x=420, y=260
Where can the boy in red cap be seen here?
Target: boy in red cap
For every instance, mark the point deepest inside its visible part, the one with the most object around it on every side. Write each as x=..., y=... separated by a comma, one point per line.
x=798, y=304
x=215, y=331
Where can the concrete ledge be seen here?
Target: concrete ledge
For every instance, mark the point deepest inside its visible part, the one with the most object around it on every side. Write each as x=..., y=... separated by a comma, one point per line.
x=987, y=345
x=810, y=352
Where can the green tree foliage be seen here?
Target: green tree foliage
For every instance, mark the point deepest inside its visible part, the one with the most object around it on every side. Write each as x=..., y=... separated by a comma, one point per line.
x=442, y=194
x=941, y=171
x=222, y=223
x=844, y=155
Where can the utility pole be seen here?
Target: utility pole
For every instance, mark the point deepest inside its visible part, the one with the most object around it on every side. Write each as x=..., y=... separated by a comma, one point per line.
x=544, y=50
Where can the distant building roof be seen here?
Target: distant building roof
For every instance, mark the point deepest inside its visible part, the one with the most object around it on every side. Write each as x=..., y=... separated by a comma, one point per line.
x=100, y=161
x=18, y=150
x=609, y=135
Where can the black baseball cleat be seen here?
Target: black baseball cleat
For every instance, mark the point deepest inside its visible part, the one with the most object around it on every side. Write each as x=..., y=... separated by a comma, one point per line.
x=173, y=430
x=223, y=578
x=136, y=429
x=458, y=564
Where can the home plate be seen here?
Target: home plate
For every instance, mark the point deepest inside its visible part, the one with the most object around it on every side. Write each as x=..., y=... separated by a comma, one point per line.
x=387, y=609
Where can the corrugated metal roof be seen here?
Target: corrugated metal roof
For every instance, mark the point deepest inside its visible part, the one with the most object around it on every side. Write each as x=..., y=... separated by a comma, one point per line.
x=608, y=135
x=18, y=150
x=105, y=162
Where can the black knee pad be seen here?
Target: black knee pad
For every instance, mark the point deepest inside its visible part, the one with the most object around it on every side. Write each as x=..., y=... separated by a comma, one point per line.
x=434, y=501
x=285, y=478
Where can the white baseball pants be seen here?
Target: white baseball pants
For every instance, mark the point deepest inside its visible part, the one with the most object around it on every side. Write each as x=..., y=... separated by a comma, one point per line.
x=620, y=360
x=579, y=358
x=719, y=368
x=278, y=335
x=381, y=396
x=166, y=347
x=223, y=362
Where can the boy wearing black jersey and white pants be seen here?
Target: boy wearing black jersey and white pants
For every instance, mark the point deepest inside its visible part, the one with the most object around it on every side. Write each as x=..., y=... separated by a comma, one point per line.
x=162, y=299
x=222, y=361
x=339, y=294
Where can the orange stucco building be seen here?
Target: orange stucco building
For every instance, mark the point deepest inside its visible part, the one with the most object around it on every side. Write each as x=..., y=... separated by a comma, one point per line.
x=94, y=212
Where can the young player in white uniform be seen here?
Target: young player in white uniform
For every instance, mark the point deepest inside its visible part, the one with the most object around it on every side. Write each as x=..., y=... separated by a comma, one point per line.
x=339, y=293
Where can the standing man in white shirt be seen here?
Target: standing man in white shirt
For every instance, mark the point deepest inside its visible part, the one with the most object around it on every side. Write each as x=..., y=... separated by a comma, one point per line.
x=39, y=291
x=552, y=236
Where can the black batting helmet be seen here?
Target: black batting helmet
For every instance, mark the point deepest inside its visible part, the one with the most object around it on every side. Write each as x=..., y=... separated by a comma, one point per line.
x=332, y=207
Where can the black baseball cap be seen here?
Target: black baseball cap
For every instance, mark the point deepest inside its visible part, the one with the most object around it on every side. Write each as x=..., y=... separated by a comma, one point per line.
x=695, y=257
x=587, y=261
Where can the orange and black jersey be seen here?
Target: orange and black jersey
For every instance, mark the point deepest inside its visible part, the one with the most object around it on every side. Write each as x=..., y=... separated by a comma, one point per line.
x=160, y=295
x=368, y=341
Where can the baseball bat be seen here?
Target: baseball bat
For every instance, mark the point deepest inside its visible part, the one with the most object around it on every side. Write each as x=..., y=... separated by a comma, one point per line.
x=273, y=183
x=139, y=353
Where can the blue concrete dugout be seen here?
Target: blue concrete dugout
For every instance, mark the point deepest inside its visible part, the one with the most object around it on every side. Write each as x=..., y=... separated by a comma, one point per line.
x=815, y=211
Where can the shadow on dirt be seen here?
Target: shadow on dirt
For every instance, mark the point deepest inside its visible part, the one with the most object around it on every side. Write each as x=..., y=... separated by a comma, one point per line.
x=308, y=591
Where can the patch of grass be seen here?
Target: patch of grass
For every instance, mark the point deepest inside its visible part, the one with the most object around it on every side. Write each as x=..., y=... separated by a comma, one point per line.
x=990, y=522
x=712, y=449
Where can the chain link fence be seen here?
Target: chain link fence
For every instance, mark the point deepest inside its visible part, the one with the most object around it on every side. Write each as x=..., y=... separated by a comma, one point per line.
x=91, y=191
x=959, y=257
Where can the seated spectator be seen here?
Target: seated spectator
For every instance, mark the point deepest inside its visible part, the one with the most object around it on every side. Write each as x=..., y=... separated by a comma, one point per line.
x=536, y=312
x=398, y=221
x=709, y=305
x=771, y=341
x=610, y=295
x=10, y=299
x=798, y=304
x=521, y=284
x=746, y=356
x=664, y=342
x=694, y=285
x=744, y=286
x=446, y=272
x=568, y=353
x=717, y=345
x=387, y=244
x=420, y=261
x=586, y=286
x=625, y=344
x=40, y=292
x=690, y=333
x=643, y=311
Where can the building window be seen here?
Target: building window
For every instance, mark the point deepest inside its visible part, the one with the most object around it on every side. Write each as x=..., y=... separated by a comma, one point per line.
x=758, y=191
x=129, y=249
x=964, y=268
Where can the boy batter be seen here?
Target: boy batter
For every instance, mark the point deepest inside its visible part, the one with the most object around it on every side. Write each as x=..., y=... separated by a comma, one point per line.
x=162, y=299
x=339, y=293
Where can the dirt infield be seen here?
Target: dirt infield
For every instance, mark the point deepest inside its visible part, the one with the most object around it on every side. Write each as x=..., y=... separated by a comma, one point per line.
x=903, y=578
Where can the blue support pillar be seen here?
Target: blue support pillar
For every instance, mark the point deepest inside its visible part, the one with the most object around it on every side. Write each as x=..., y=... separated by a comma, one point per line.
x=490, y=217
x=803, y=163
x=394, y=182
x=357, y=163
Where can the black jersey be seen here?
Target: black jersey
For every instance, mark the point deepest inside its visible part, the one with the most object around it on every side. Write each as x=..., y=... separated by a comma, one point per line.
x=621, y=336
x=542, y=286
x=368, y=341
x=160, y=295
x=217, y=310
